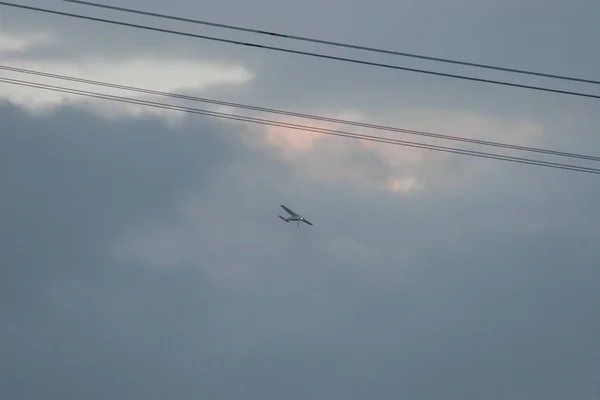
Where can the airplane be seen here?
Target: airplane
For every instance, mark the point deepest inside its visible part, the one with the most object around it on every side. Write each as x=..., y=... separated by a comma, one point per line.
x=294, y=217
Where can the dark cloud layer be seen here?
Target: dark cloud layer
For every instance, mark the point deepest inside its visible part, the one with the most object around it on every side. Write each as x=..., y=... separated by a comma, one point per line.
x=66, y=175
x=501, y=33
x=487, y=293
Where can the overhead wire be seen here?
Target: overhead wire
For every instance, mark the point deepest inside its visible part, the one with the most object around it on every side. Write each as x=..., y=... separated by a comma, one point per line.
x=301, y=127
x=298, y=52
x=329, y=42
x=301, y=115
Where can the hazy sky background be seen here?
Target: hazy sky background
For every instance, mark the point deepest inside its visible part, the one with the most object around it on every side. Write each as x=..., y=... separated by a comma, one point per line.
x=141, y=255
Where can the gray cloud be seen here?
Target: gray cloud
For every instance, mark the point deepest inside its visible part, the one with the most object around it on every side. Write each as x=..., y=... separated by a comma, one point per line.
x=142, y=261
x=83, y=179
x=502, y=33
x=462, y=294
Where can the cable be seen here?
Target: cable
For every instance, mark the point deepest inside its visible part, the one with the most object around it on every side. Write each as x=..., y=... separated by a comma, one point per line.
x=306, y=53
x=328, y=42
x=301, y=127
x=294, y=114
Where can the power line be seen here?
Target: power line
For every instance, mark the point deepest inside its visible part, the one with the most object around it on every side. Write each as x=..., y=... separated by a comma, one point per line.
x=301, y=127
x=306, y=53
x=294, y=114
x=331, y=43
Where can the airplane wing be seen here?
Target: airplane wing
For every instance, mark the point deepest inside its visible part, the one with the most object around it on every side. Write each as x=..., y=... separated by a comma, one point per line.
x=293, y=214
x=304, y=220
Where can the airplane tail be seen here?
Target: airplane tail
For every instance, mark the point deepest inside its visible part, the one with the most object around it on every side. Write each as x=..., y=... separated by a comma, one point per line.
x=285, y=219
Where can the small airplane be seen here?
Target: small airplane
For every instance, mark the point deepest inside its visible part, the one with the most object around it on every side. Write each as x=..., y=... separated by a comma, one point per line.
x=294, y=217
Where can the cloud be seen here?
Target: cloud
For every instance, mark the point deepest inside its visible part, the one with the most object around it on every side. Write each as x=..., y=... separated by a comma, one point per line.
x=152, y=72
x=178, y=76
x=147, y=261
x=10, y=43
x=400, y=169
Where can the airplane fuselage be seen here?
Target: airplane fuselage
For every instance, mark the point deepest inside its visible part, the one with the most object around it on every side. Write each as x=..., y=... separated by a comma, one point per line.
x=294, y=218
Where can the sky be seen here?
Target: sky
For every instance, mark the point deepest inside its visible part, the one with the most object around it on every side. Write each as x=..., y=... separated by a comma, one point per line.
x=140, y=250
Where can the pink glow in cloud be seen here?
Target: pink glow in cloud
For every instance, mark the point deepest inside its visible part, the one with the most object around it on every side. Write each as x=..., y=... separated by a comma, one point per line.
x=295, y=139
x=324, y=157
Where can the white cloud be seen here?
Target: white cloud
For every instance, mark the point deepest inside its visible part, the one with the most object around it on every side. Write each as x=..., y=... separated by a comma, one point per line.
x=10, y=43
x=160, y=73
x=156, y=74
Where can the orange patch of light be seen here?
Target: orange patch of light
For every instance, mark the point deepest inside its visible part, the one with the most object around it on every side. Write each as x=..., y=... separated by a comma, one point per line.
x=296, y=139
x=401, y=185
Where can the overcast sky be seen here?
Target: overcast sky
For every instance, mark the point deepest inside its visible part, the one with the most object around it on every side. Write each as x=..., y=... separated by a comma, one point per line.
x=141, y=256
